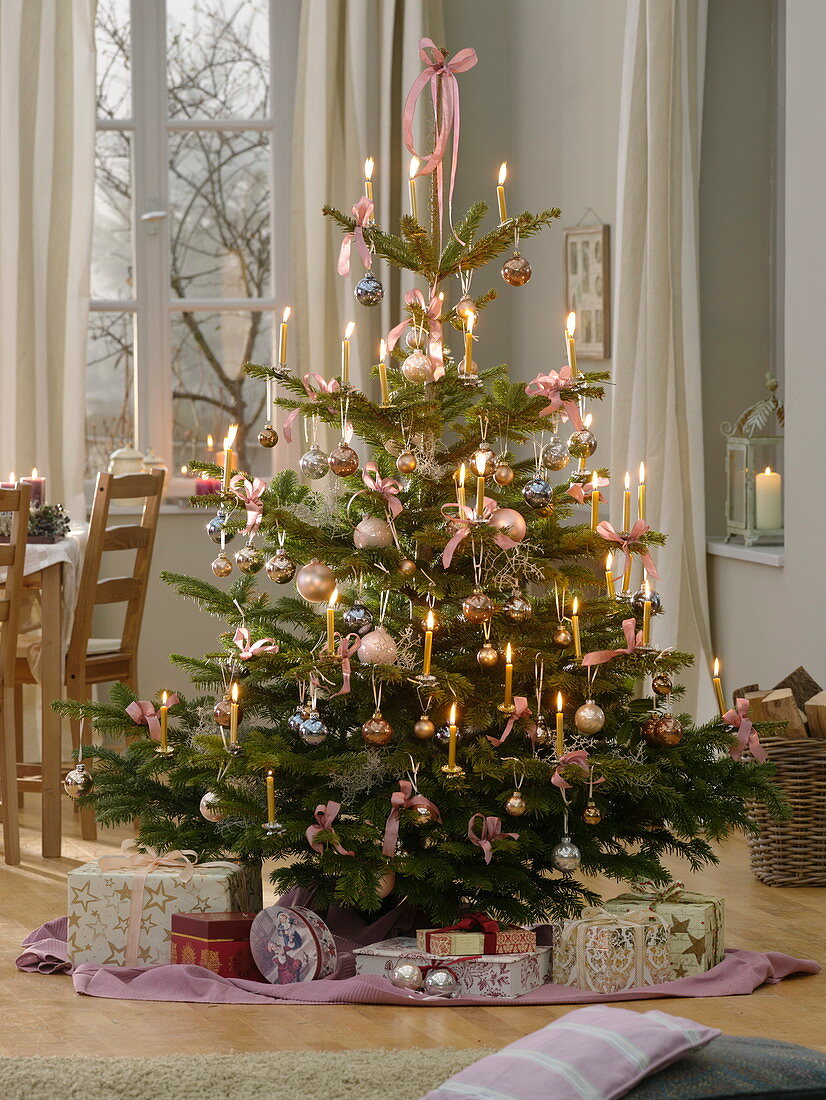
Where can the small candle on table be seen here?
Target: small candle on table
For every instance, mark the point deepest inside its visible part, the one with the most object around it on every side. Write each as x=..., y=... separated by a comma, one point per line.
x=10, y=484
x=451, y=750
x=594, y=502
x=428, y=644
x=646, y=614
x=480, y=485
x=575, y=627
x=718, y=687
x=270, y=796
x=38, y=488
x=229, y=439
x=460, y=486
x=468, y=364
x=768, y=504
x=500, y=192
x=560, y=726
x=282, y=337
x=164, y=717
x=369, y=165
x=331, y=622
x=411, y=188
x=570, y=343
x=609, y=576
x=641, y=493
x=385, y=389
x=508, y=676
x=233, y=715
x=345, y=353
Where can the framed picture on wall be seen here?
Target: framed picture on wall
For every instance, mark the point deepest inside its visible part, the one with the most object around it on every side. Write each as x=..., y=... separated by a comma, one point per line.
x=588, y=288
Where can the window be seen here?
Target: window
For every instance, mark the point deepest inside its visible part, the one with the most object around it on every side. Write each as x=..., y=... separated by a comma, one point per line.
x=192, y=156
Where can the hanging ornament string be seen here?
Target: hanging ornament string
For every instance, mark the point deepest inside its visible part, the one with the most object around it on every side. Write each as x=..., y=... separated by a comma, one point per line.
x=483, y=427
x=377, y=688
x=383, y=601
x=539, y=674
x=477, y=561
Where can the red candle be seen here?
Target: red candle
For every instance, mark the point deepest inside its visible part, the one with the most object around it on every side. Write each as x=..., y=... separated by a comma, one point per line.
x=38, y=485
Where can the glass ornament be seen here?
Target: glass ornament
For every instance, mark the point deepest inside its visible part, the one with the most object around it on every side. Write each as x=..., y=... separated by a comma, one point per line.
x=487, y=656
x=516, y=271
x=477, y=608
x=368, y=290
x=418, y=367
x=313, y=729
x=424, y=729
x=315, y=582
x=638, y=603
x=518, y=607
x=662, y=684
x=406, y=462
x=268, y=436
x=441, y=982
x=297, y=717
x=314, y=463
x=222, y=566
x=210, y=807
x=377, y=730
x=565, y=856
x=77, y=781
x=509, y=522
x=515, y=804
x=406, y=975
x=503, y=473
x=562, y=636
x=217, y=526
x=280, y=567
x=482, y=461
x=465, y=307
x=539, y=495
x=555, y=454
x=249, y=559
x=589, y=718
x=343, y=460
x=582, y=444
x=377, y=648
x=372, y=532
x=591, y=814
x=666, y=731
x=358, y=619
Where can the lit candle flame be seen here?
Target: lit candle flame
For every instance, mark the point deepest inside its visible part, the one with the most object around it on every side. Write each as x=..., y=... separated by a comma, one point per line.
x=210, y=442
x=559, y=702
x=414, y=167
x=594, y=482
x=716, y=666
x=609, y=561
x=184, y=470
x=471, y=321
x=34, y=471
x=429, y=620
x=269, y=774
x=348, y=332
x=230, y=437
x=481, y=462
x=382, y=348
x=768, y=470
x=333, y=597
x=588, y=421
x=462, y=474
x=642, y=473
x=369, y=164
x=646, y=587
x=11, y=477
x=570, y=324
x=627, y=480
x=575, y=608
x=508, y=654
x=285, y=316
x=503, y=172
x=164, y=697
x=234, y=692
x=453, y=715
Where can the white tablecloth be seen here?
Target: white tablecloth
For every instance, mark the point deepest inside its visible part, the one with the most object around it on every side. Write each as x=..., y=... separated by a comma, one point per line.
x=68, y=550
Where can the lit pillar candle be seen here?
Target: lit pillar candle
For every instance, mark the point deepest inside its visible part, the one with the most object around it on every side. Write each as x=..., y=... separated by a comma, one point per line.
x=594, y=502
x=369, y=164
x=233, y=715
x=38, y=488
x=411, y=188
x=228, y=456
x=718, y=687
x=480, y=486
x=10, y=484
x=508, y=676
x=331, y=622
x=768, y=506
x=345, y=354
x=500, y=192
x=575, y=627
x=471, y=321
x=385, y=389
x=609, y=576
x=646, y=615
x=570, y=343
x=164, y=717
x=460, y=486
x=282, y=337
x=270, y=796
x=428, y=644
x=560, y=726
x=451, y=749
x=626, y=503
x=641, y=493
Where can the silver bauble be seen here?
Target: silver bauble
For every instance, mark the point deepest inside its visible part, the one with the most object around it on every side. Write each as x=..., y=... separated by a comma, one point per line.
x=543, y=734
x=518, y=607
x=298, y=716
x=313, y=729
x=372, y=533
x=77, y=781
x=582, y=444
x=313, y=463
x=589, y=718
x=562, y=637
x=515, y=805
x=487, y=656
x=555, y=455
x=418, y=367
x=509, y=522
x=315, y=582
x=369, y=291
x=638, y=602
x=539, y=495
x=210, y=807
x=377, y=648
x=343, y=460
x=268, y=436
x=406, y=975
x=222, y=566
x=218, y=526
x=441, y=982
x=358, y=619
x=516, y=271
x=565, y=856
x=280, y=567
x=249, y=559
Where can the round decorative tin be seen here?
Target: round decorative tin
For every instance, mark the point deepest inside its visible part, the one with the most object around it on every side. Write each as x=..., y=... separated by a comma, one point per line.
x=292, y=944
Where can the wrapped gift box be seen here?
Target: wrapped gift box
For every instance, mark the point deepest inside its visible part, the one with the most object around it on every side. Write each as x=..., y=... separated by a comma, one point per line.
x=487, y=976
x=608, y=952
x=216, y=941
x=108, y=927
x=696, y=925
x=476, y=936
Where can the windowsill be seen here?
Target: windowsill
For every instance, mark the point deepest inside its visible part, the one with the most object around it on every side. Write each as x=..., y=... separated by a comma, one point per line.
x=758, y=555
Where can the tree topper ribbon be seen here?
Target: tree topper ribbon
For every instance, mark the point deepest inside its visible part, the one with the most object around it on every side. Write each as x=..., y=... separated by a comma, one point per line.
x=648, y=890
x=579, y=758
x=403, y=799
x=143, y=713
x=746, y=733
x=242, y=639
x=463, y=521
x=444, y=93
x=433, y=312
x=520, y=710
x=363, y=213
x=629, y=542
x=324, y=387
x=386, y=487
x=249, y=493
x=580, y=492
x=348, y=644
x=325, y=816
x=491, y=830
x=632, y=636
x=551, y=385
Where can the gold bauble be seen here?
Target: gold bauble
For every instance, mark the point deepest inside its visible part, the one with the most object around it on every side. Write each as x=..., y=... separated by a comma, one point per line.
x=222, y=712
x=562, y=637
x=477, y=607
x=406, y=462
x=484, y=457
x=515, y=805
x=377, y=730
x=662, y=684
x=268, y=436
x=589, y=718
x=222, y=566
x=407, y=567
x=343, y=460
x=386, y=883
x=465, y=307
x=315, y=582
x=516, y=271
x=591, y=815
x=666, y=731
x=503, y=474
x=422, y=815
x=487, y=656
x=424, y=729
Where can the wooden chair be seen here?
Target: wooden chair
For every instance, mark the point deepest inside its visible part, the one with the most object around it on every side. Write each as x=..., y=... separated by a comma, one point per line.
x=12, y=557
x=102, y=660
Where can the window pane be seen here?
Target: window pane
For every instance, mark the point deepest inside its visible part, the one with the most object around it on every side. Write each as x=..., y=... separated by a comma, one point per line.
x=112, y=242
x=113, y=61
x=218, y=58
x=109, y=401
x=219, y=195
x=210, y=392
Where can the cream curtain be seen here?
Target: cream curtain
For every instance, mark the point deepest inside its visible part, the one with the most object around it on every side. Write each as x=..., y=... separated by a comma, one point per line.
x=357, y=59
x=656, y=401
x=47, y=137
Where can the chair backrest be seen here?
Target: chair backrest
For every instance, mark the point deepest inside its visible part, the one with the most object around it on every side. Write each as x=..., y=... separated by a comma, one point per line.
x=139, y=537
x=12, y=559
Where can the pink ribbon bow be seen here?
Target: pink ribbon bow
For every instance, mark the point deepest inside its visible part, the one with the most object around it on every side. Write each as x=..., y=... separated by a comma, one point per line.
x=403, y=799
x=491, y=830
x=249, y=493
x=462, y=523
x=632, y=636
x=551, y=385
x=323, y=387
x=746, y=733
x=628, y=543
x=143, y=713
x=580, y=492
x=579, y=758
x=433, y=312
x=444, y=93
x=263, y=645
x=386, y=487
x=520, y=710
x=649, y=890
x=363, y=213
x=325, y=816
x=348, y=644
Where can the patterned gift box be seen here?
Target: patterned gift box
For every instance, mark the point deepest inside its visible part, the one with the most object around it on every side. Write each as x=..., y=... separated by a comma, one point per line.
x=217, y=941
x=696, y=924
x=476, y=934
x=608, y=952
x=121, y=907
x=487, y=976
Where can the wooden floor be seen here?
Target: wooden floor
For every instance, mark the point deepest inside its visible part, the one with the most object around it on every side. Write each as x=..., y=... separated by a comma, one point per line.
x=42, y=1014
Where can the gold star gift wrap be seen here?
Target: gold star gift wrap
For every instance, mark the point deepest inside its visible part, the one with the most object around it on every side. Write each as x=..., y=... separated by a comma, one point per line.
x=100, y=908
x=696, y=925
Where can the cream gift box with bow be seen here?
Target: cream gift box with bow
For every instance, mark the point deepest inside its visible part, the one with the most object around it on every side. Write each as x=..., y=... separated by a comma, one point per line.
x=121, y=906
x=608, y=952
x=696, y=923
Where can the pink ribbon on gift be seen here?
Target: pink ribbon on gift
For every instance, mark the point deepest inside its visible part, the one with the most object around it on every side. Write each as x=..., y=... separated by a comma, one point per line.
x=249, y=494
x=444, y=93
x=325, y=816
x=520, y=710
x=746, y=733
x=632, y=636
x=363, y=213
x=551, y=385
x=183, y=862
x=629, y=542
x=386, y=487
x=403, y=799
x=346, y=649
x=491, y=830
x=433, y=312
x=579, y=758
x=648, y=890
x=463, y=522
x=143, y=713
x=580, y=492
x=242, y=639
x=323, y=387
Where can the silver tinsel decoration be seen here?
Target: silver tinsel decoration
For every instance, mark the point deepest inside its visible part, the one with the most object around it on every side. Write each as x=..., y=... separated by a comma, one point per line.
x=373, y=770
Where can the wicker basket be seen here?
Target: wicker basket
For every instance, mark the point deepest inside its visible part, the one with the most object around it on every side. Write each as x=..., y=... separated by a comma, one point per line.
x=793, y=853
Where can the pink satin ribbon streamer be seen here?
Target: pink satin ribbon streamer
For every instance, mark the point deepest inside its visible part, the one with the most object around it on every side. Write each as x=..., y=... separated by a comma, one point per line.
x=632, y=636
x=463, y=522
x=639, y=529
x=403, y=799
x=491, y=830
x=578, y=758
x=386, y=487
x=551, y=385
x=242, y=639
x=433, y=312
x=363, y=213
x=143, y=713
x=348, y=644
x=520, y=710
x=438, y=71
x=249, y=493
x=325, y=816
x=323, y=387
x=746, y=733
x=580, y=492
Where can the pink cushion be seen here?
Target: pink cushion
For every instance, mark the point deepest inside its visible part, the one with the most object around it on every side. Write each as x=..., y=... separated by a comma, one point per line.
x=593, y=1053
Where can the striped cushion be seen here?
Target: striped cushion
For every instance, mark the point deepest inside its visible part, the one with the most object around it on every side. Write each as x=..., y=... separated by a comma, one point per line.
x=593, y=1053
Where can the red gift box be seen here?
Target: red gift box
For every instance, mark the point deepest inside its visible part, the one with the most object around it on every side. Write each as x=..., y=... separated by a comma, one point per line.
x=217, y=941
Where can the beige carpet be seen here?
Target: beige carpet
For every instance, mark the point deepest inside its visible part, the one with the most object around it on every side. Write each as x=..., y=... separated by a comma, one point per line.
x=287, y=1075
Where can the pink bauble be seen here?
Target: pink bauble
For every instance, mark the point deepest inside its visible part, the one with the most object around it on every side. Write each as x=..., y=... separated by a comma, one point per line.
x=510, y=523
x=372, y=531
x=386, y=883
x=377, y=648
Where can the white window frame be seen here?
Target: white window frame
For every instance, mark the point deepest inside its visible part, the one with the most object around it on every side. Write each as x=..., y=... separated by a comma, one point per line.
x=153, y=304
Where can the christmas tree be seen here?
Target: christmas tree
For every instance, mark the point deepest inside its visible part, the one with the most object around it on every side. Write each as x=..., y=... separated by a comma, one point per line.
x=452, y=708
